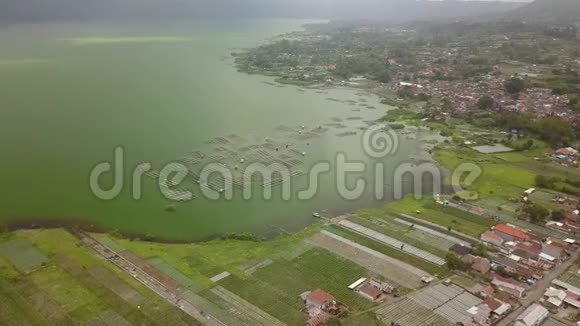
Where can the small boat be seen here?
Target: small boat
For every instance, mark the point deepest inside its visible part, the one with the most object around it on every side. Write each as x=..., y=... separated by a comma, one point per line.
x=317, y=215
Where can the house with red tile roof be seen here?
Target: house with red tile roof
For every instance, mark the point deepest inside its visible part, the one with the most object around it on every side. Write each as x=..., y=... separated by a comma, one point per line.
x=318, y=298
x=510, y=233
x=568, y=151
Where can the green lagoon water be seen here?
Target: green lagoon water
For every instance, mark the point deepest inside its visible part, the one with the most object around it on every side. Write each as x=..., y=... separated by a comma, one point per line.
x=70, y=93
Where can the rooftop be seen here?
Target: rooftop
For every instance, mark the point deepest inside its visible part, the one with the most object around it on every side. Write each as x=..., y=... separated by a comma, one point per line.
x=320, y=297
x=509, y=230
x=492, y=235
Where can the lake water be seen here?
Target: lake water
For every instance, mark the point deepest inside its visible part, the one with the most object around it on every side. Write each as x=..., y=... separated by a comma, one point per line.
x=71, y=93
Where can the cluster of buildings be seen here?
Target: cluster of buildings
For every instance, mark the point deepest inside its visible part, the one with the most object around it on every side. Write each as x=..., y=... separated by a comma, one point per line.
x=524, y=254
x=567, y=157
x=494, y=307
x=542, y=103
x=518, y=259
x=534, y=315
x=571, y=222
x=561, y=294
x=464, y=95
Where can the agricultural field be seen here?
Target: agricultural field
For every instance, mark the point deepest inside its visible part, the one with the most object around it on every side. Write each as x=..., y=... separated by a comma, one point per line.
x=448, y=217
x=68, y=285
x=388, y=269
x=387, y=225
x=392, y=242
x=73, y=286
x=23, y=255
x=275, y=288
x=571, y=277
x=389, y=251
x=201, y=261
x=500, y=179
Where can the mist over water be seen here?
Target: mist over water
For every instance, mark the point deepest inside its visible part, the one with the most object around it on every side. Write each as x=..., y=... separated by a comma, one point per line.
x=393, y=10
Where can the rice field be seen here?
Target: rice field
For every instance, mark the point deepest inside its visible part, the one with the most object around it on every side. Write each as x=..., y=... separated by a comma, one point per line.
x=79, y=302
x=275, y=288
x=447, y=217
x=387, y=269
x=74, y=287
x=217, y=307
x=22, y=254
x=417, y=236
x=186, y=282
x=394, y=253
x=571, y=277
x=256, y=315
x=405, y=247
x=23, y=303
x=109, y=318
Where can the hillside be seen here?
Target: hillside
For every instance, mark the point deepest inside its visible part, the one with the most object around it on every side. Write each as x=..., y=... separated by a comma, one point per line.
x=562, y=11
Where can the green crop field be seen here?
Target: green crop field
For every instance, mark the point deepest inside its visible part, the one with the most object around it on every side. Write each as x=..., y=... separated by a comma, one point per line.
x=74, y=287
x=499, y=177
x=386, y=225
x=79, y=302
x=275, y=288
x=22, y=254
x=448, y=217
x=389, y=251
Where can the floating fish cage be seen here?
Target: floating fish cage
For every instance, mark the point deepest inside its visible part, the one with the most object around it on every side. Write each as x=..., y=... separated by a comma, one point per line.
x=346, y=134
x=180, y=195
x=320, y=130
x=283, y=129
x=306, y=136
x=152, y=174
x=235, y=138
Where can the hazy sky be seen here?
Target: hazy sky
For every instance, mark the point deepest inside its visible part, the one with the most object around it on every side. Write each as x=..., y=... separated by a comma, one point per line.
x=110, y=9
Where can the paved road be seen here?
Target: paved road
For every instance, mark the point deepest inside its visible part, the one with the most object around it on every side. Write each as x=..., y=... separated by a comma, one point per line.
x=538, y=289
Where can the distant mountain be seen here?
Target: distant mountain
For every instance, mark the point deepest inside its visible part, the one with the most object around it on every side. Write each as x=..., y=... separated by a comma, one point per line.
x=549, y=11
